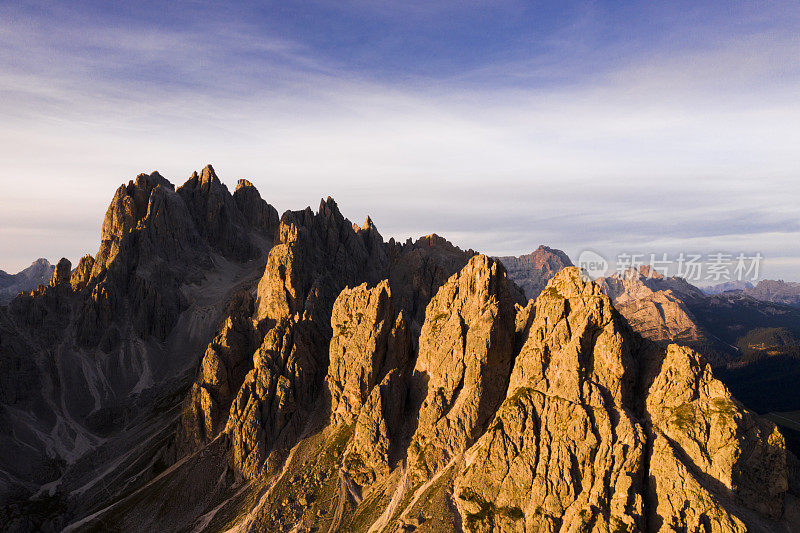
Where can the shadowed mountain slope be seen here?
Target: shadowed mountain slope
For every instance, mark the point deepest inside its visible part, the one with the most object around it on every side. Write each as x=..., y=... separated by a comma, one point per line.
x=11, y=285
x=214, y=367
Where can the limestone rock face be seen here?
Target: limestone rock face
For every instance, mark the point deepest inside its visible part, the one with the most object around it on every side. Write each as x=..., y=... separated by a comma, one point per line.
x=36, y=274
x=604, y=432
x=696, y=416
x=149, y=245
x=97, y=360
x=82, y=274
x=216, y=215
x=39, y=273
x=672, y=481
x=662, y=317
x=369, y=455
x=312, y=326
x=21, y=377
x=226, y=362
x=657, y=308
x=419, y=268
x=128, y=207
x=571, y=315
x=342, y=383
x=256, y=211
x=564, y=452
x=634, y=284
x=316, y=256
x=364, y=338
x=532, y=271
x=154, y=240
x=366, y=381
x=62, y=273
x=669, y=309
x=465, y=357
x=784, y=292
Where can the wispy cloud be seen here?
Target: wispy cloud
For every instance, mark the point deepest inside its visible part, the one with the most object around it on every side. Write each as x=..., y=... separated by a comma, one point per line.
x=565, y=136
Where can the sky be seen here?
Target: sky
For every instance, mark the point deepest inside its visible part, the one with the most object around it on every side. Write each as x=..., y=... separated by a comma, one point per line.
x=616, y=127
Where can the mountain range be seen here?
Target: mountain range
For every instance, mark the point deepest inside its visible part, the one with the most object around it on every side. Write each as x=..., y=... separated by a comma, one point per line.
x=216, y=367
x=750, y=334
x=11, y=285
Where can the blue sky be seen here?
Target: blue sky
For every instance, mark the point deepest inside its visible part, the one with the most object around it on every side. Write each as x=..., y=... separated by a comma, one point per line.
x=615, y=126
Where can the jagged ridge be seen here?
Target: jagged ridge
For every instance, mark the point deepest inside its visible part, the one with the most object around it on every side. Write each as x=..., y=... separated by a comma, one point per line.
x=363, y=385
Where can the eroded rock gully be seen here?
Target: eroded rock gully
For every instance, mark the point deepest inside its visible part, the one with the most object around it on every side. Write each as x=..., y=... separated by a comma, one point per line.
x=302, y=374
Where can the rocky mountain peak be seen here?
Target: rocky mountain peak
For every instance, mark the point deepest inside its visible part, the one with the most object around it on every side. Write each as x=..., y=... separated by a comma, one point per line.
x=775, y=291
x=41, y=263
x=362, y=349
x=62, y=273
x=432, y=240
x=648, y=272
x=257, y=213
x=328, y=208
x=465, y=357
x=346, y=383
x=657, y=307
x=216, y=215
x=584, y=388
x=532, y=271
x=727, y=286
x=368, y=224
x=208, y=177
x=243, y=183
x=38, y=273
x=569, y=303
x=82, y=273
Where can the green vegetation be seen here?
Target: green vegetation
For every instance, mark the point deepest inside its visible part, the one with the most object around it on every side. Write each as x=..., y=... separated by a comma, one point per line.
x=551, y=292
x=723, y=407
x=337, y=443
x=487, y=511
x=767, y=342
x=343, y=328
x=357, y=469
x=497, y=424
x=369, y=510
x=618, y=526
x=354, y=463
x=433, y=505
x=519, y=394
x=684, y=416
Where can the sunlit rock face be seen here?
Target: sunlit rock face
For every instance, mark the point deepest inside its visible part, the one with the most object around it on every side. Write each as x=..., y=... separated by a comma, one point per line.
x=216, y=367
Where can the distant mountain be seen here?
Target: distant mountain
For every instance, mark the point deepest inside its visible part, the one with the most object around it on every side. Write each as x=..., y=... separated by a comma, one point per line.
x=731, y=315
x=656, y=307
x=634, y=284
x=28, y=279
x=753, y=344
x=783, y=292
x=727, y=286
x=532, y=271
x=774, y=291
